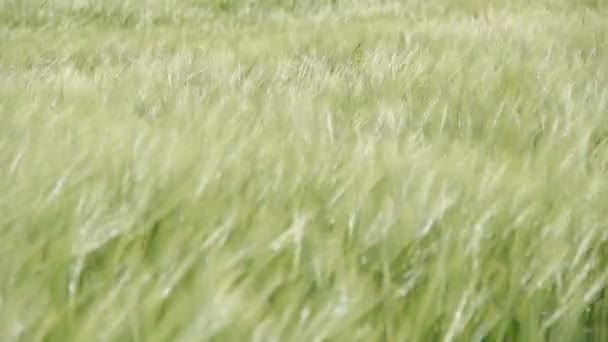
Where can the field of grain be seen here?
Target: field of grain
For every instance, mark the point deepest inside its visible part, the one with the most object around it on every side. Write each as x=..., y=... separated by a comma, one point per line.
x=282, y=170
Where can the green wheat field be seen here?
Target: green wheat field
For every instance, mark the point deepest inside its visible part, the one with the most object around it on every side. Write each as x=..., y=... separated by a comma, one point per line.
x=320, y=170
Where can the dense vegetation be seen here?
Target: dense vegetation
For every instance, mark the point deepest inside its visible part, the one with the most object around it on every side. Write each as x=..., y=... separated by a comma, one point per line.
x=284, y=170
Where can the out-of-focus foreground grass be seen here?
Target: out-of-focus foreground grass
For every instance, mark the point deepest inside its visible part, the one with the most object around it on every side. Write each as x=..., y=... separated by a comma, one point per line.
x=303, y=170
